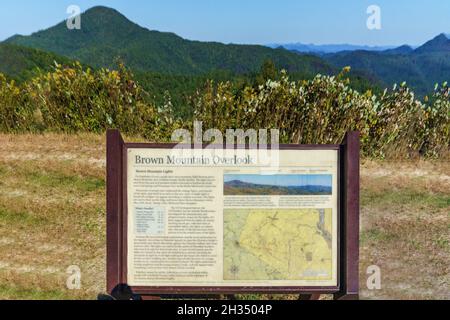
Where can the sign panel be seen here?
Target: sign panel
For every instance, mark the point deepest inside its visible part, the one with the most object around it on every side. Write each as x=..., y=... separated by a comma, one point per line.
x=229, y=221
x=221, y=218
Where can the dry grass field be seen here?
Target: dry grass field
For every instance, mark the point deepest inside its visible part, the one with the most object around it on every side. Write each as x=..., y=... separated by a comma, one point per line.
x=52, y=215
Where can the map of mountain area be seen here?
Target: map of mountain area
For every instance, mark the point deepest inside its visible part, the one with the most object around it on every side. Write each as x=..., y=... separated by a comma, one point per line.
x=278, y=244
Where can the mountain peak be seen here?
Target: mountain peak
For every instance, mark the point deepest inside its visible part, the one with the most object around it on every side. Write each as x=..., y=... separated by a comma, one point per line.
x=404, y=49
x=103, y=18
x=106, y=35
x=440, y=43
x=102, y=8
x=440, y=37
x=103, y=11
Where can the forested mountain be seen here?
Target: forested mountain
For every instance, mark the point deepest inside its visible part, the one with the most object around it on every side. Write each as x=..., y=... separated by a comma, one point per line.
x=164, y=61
x=439, y=44
x=421, y=68
x=405, y=49
x=106, y=34
x=20, y=63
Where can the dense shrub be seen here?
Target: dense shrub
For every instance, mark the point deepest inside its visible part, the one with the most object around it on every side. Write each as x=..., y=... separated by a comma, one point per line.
x=436, y=128
x=76, y=99
x=16, y=112
x=321, y=110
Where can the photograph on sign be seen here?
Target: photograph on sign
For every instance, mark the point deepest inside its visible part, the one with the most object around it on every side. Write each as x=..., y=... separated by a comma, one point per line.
x=207, y=221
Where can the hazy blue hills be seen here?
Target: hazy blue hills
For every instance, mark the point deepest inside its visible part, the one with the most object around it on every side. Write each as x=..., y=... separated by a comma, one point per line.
x=439, y=44
x=326, y=48
x=421, y=68
x=106, y=34
x=405, y=49
x=238, y=187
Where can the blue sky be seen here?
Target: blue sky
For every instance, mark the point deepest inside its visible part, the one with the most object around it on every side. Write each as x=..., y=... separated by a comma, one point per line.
x=283, y=180
x=253, y=21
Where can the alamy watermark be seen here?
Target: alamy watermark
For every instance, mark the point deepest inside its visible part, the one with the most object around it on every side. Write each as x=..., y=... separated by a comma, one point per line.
x=73, y=22
x=235, y=146
x=374, y=19
x=73, y=281
x=374, y=279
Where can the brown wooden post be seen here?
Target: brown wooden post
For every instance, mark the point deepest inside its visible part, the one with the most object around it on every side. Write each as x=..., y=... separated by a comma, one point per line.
x=114, y=170
x=349, y=242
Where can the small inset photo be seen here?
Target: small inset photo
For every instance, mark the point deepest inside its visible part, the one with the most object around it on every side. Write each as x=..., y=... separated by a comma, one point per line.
x=277, y=185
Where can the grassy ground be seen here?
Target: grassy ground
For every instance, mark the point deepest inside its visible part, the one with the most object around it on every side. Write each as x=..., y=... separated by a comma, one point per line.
x=52, y=215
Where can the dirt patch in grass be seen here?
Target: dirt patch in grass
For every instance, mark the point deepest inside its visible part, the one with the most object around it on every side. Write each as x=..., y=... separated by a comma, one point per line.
x=52, y=216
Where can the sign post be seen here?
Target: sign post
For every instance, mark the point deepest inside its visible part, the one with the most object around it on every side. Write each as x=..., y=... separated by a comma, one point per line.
x=216, y=221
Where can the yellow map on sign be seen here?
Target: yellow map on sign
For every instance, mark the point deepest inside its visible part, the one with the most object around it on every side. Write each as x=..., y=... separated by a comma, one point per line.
x=278, y=244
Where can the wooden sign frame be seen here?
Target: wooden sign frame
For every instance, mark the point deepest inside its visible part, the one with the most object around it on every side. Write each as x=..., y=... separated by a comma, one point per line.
x=348, y=222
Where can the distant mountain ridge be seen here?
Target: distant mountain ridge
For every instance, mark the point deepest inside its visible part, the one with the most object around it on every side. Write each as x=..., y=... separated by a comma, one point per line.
x=327, y=48
x=405, y=49
x=441, y=43
x=421, y=68
x=107, y=35
x=238, y=187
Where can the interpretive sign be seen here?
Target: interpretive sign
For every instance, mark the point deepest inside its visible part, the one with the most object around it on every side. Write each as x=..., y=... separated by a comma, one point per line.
x=214, y=220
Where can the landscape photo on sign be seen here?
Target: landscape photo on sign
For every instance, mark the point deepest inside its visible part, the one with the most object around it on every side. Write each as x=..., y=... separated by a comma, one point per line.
x=280, y=184
x=185, y=229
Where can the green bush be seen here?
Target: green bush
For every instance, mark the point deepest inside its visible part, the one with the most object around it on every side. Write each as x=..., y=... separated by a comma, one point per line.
x=73, y=99
x=323, y=109
x=320, y=110
x=16, y=112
